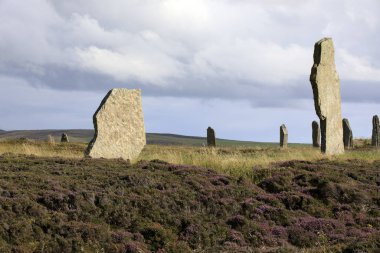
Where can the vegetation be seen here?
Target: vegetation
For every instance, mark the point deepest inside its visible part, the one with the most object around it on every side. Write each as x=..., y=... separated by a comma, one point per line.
x=228, y=199
x=231, y=159
x=47, y=148
x=98, y=205
x=235, y=161
x=84, y=136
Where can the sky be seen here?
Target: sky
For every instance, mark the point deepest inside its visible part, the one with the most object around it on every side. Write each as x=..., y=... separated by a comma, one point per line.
x=239, y=66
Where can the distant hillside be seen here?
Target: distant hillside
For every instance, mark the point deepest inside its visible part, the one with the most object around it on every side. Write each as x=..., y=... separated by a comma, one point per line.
x=85, y=135
x=76, y=135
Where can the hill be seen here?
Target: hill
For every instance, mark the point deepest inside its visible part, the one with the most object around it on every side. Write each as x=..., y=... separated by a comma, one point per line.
x=85, y=135
x=76, y=135
x=98, y=205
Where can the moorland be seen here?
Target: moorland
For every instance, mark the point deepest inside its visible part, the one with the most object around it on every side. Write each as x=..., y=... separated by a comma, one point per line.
x=183, y=197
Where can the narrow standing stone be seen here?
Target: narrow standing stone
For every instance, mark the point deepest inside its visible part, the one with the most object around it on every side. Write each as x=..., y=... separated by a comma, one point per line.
x=283, y=136
x=327, y=100
x=375, y=131
x=347, y=135
x=119, y=126
x=64, y=138
x=211, y=142
x=316, y=134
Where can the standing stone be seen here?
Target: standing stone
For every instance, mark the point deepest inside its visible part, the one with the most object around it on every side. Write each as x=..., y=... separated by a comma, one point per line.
x=283, y=136
x=211, y=142
x=50, y=139
x=64, y=138
x=119, y=126
x=316, y=135
x=347, y=135
x=375, y=131
x=326, y=89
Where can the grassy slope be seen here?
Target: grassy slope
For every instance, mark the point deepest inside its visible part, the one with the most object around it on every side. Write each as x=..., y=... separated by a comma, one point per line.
x=83, y=136
x=230, y=160
x=74, y=205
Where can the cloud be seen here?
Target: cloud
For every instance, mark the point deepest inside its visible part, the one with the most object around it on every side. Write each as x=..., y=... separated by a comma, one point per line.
x=357, y=68
x=27, y=107
x=254, y=61
x=256, y=51
x=27, y=36
x=127, y=65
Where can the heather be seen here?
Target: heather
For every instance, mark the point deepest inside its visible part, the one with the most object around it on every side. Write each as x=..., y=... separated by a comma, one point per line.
x=97, y=205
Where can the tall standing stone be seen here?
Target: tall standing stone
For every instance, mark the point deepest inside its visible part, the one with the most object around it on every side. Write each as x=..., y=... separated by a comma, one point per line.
x=375, y=131
x=211, y=142
x=283, y=136
x=64, y=138
x=119, y=126
x=327, y=100
x=347, y=135
x=316, y=134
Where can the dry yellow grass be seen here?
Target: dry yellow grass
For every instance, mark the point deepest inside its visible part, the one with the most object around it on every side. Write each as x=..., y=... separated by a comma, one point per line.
x=42, y=148
x=234, y=161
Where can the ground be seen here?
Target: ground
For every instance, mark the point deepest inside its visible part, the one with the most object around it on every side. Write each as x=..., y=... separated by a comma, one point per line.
x=293, y=200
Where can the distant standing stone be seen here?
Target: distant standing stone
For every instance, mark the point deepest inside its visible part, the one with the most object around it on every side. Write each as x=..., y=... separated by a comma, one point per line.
x=316, y=135
x=347, y=135
x=375, y=131
x=64, y=138
x=211, y=142
x=327, y=100
x=283, y=136
x=119, y=126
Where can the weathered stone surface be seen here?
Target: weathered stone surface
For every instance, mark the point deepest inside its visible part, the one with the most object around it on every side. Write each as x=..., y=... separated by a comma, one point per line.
x=119, y=126
x=283, y=136
x=327, y=100
x=347, y=135
x=375, y=131
x=64, y=138
x=211, y=142
x=316, y=135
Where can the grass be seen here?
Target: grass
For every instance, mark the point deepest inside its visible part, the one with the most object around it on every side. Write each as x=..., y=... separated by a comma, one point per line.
x=232, y=160
x=85, y=135
x=235, y=161
x=180, y=140
x=42, y=148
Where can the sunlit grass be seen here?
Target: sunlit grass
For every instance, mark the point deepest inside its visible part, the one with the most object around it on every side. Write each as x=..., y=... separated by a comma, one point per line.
x=42, y=148
x=235, y=161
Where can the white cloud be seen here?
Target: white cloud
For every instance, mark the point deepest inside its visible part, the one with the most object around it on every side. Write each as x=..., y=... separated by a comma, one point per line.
x=254, y=61
x=128, y=65
x=169, y=43
x=356, y=68
x=26, y=35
